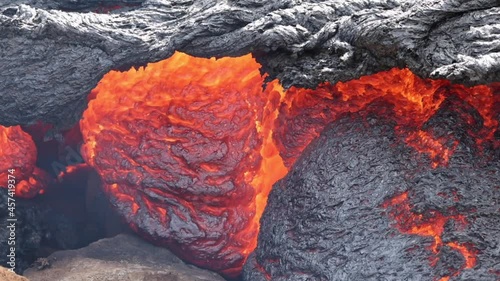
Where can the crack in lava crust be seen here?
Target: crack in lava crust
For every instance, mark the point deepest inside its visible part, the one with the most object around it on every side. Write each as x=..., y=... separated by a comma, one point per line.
x=182, y=147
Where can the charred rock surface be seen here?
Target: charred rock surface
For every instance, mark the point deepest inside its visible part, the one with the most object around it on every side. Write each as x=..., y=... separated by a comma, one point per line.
x=347, y=209
x=51, y=58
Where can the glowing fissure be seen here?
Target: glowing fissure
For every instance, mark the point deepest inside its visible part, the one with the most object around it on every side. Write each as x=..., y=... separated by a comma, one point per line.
x=430, y=224
x=196, y=144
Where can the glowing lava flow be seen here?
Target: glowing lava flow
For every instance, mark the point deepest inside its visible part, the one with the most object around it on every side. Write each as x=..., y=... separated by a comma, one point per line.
x=18, y=153
x=189, y=148
x=185, y=151
x=430, y=224
x=305, y=112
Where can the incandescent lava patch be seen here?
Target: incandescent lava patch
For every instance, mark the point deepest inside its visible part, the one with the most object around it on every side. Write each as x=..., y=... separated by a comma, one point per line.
x=362, y=204
x=18, y=155
x=189, y=148
x=185, y=152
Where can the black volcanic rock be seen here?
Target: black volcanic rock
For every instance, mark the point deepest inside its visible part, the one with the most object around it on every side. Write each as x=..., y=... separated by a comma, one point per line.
x=52, y=55
x=66, y=216
x=326, y=220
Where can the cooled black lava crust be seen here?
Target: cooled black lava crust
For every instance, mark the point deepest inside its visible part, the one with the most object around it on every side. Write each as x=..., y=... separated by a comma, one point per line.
x=325, y=219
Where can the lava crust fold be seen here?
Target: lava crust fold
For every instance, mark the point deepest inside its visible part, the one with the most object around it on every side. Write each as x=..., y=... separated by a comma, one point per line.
x=182, y=147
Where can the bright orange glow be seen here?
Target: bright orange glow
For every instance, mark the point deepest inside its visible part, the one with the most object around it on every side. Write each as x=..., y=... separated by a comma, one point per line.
x=430, y=224
x=205, y=120
x=486, y=100
x=434, y=147
x=305, y=112
x=18, y=152
x=72, y=169
x=202, y=133
x=467, y=251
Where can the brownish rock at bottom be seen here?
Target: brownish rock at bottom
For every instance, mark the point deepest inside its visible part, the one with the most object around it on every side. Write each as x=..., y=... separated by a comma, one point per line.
x=121, y=258
x=7, y=275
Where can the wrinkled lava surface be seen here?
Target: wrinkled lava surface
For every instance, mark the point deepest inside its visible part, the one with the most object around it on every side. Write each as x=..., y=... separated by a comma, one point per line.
x=189, y=148
x=18, y=155
x=185, y=152
x=361, y=204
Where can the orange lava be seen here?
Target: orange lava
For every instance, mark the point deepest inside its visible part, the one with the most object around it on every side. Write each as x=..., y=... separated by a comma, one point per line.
x=467, y=251
x=202, y=129
x=202, y=135
x=72, y=169
x=435, y=148
x=18, y=154
x=430, y=224
x=305, y=112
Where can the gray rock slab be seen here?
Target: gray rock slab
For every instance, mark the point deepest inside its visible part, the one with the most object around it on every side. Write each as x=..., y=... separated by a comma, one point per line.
x=121, y=258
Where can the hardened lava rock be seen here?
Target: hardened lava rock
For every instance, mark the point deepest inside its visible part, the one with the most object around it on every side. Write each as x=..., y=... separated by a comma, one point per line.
x=53, y=52
x=359, y=204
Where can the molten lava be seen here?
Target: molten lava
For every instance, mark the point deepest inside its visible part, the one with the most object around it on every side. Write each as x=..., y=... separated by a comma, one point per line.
x=185, y=151
x=430, y=224
x=18, y=154
x=305, y=112
x=189, y=148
